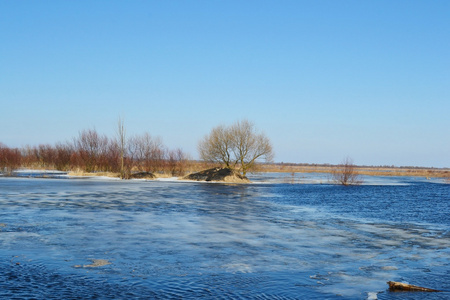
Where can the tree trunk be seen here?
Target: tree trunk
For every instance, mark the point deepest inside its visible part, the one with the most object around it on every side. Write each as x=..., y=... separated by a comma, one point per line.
x=398, y=286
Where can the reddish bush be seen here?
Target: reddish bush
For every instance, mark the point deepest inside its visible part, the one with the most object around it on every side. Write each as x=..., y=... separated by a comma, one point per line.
x=10, y=159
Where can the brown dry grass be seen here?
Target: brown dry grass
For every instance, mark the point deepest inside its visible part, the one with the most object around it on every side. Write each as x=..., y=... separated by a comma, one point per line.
x=373, y=171
x=94, y=174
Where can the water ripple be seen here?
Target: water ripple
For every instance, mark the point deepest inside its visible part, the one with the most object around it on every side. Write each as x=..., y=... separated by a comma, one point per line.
x=188, y=240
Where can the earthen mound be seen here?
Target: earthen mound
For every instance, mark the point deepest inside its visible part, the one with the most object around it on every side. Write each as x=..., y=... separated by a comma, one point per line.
x=218, y=174
x=142, y=175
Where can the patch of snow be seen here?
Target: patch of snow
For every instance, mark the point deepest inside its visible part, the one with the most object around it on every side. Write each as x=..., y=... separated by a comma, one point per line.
x=167, y=179
x=32, y=171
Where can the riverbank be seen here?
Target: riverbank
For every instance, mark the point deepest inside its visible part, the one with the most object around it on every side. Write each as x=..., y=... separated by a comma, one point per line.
x=195, y=167
x=252, y=178
x=362, y=170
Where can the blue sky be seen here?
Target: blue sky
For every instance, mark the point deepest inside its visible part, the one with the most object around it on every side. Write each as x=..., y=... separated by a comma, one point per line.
x=323, y=79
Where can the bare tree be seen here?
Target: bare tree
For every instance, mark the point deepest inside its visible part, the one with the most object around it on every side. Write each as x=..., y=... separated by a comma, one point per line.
x=249, y=145
x=346, y=173
x=121, y=141
x=237, y=146
x=218, y=147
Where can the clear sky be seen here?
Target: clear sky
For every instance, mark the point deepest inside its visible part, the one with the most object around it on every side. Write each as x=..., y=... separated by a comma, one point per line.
x=323, y=79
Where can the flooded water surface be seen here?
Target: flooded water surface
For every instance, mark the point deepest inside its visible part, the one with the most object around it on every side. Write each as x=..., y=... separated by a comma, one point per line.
x=274, y=239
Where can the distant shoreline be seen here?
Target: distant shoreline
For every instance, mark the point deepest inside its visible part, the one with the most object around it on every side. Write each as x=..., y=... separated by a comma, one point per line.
x=362, y=170
x=261, y=168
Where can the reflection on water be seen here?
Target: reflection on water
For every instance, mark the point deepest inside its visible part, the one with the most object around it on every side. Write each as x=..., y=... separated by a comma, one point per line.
x=190, y=240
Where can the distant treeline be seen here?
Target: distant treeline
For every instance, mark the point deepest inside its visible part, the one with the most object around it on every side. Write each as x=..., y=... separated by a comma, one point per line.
x=93, y=152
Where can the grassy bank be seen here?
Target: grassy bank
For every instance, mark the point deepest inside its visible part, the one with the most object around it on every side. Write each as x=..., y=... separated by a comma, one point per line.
x=363, y=170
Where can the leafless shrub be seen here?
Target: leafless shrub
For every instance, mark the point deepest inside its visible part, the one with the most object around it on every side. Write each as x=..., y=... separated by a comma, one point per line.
x=148, y=153
x=346, y=173
x=27, y=156
x=92, y=152
x=62, y=157
x=91, y=149
x=41, y=156
x=112, y=157
x=30, y=156
x=176, y=162
x=47, y=155
x=10, y=159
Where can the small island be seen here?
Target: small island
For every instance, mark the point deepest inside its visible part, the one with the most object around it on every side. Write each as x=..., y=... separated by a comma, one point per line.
x=218, y=175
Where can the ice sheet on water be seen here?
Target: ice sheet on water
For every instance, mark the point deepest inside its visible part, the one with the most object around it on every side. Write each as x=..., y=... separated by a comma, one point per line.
x=168, y=179
x=34, y=171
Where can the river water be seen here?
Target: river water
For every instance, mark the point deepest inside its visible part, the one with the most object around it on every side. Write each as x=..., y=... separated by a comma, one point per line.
x=281, y=237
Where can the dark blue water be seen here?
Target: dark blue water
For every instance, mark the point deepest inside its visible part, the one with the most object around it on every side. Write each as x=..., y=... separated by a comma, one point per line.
x=175, y=240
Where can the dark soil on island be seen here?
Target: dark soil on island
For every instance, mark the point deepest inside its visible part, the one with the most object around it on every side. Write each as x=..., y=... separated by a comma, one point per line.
x=142, y=175
x=218, y=174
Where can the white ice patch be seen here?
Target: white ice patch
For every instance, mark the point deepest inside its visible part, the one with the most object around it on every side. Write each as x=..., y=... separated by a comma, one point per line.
x=238, y=268
x=32, y=171
x=171, y=179
x=372, y=296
